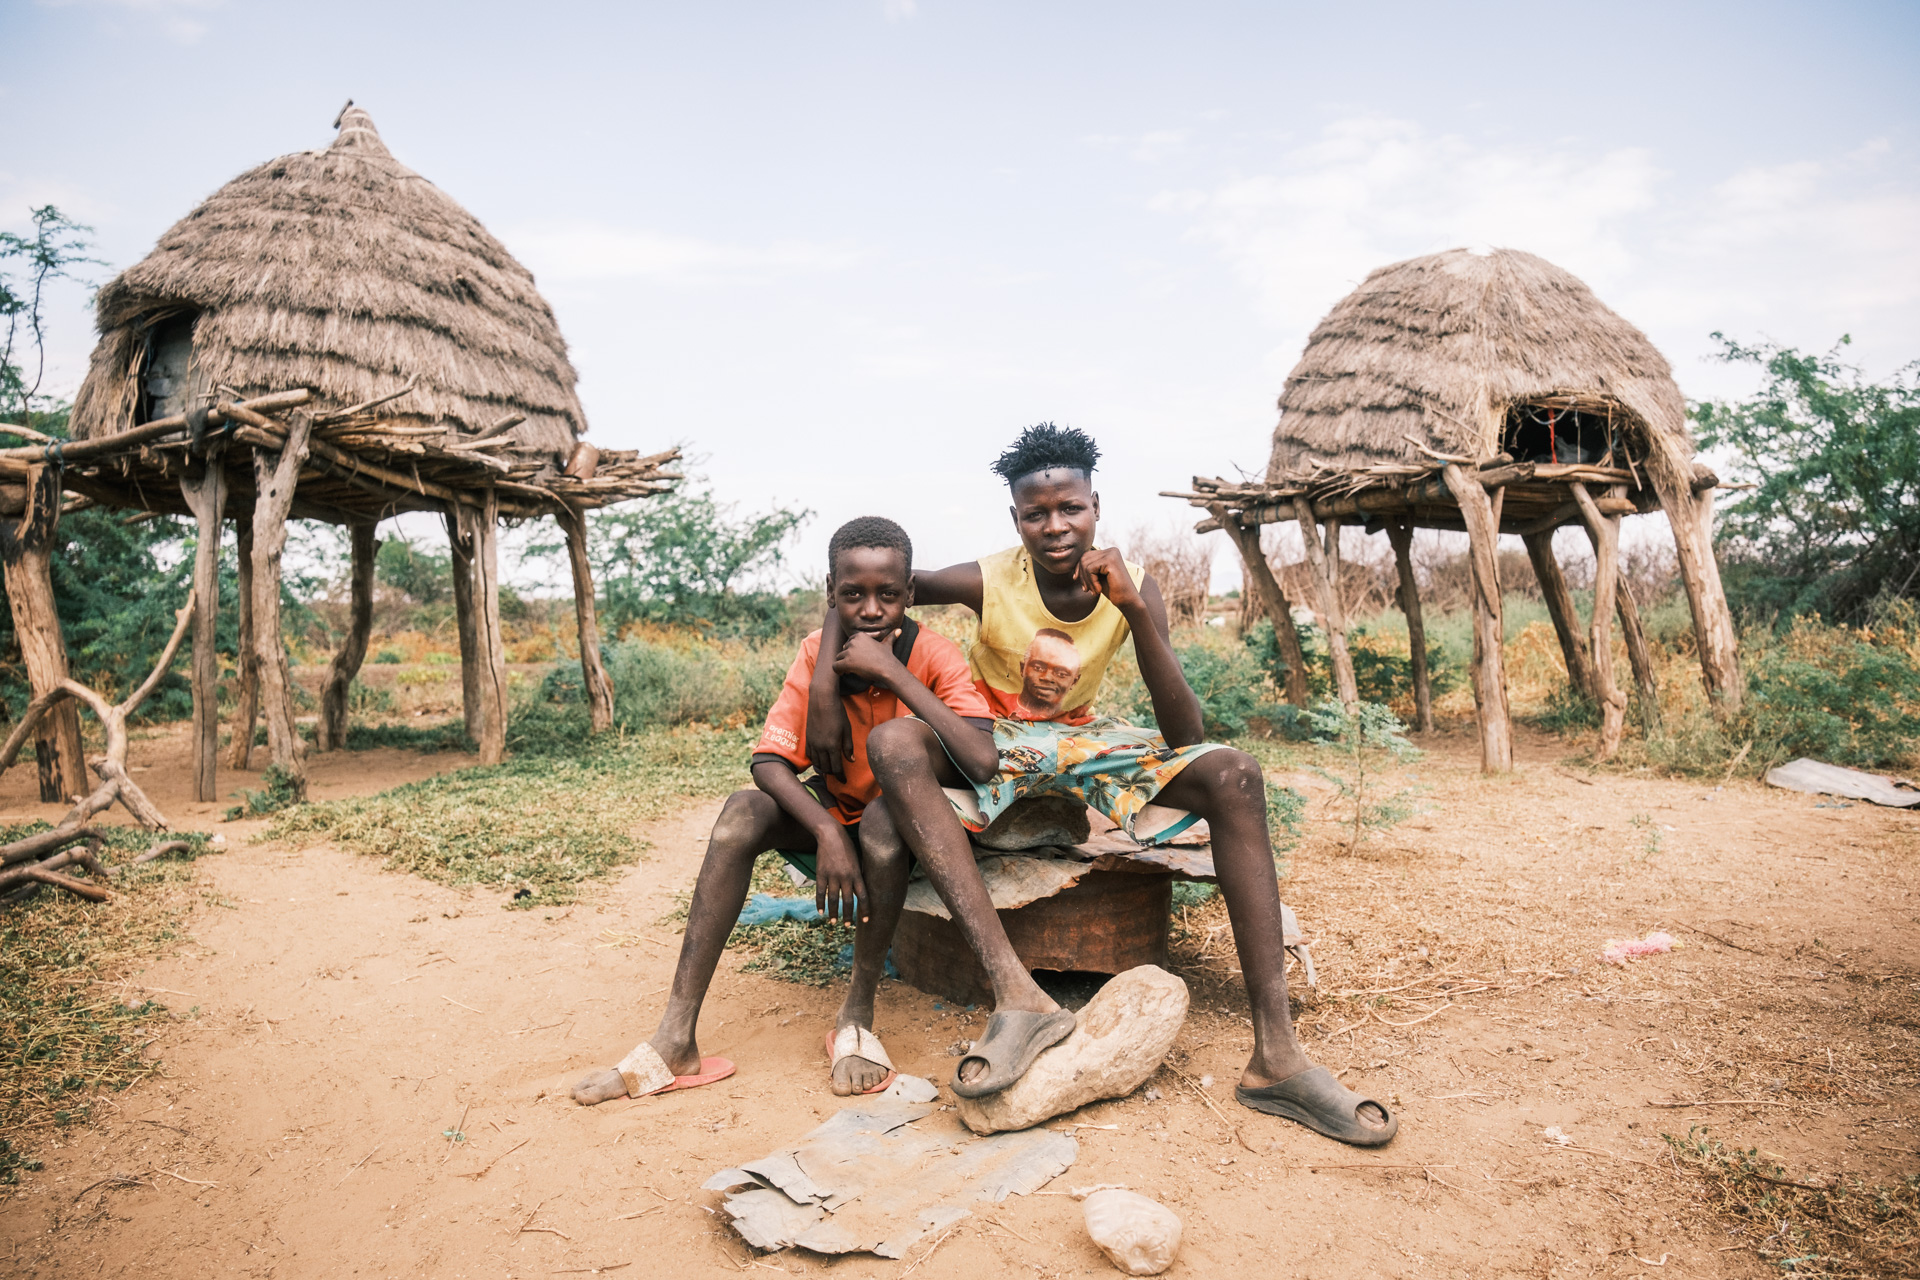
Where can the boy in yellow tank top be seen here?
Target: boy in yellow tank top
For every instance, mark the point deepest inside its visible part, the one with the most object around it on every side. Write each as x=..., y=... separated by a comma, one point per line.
x=1053, y=611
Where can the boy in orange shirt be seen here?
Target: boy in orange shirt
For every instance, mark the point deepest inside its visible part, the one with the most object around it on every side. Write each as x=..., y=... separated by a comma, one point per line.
x=888, y=668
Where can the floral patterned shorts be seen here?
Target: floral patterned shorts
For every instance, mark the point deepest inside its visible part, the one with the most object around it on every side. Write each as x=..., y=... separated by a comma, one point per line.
x=1116, y=768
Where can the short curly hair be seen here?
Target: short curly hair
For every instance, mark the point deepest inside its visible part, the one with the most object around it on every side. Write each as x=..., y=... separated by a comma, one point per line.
x=869, y=531
x=1042, y=447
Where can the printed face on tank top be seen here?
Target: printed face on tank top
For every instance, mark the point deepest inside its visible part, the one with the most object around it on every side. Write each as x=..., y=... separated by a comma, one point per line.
x=1048, y=674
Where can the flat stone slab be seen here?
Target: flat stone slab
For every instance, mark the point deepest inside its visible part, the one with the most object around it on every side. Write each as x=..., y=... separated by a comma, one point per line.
x=883, y=1173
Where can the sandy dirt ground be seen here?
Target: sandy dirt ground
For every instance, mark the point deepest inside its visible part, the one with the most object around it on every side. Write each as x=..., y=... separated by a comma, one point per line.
x=332, y=1021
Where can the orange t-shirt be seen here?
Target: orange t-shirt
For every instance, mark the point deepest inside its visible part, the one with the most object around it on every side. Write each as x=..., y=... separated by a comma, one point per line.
x=935, y=662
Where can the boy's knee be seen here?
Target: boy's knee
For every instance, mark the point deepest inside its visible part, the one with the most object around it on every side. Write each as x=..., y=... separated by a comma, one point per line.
x=1235, y=777
x=895, y=747
x=743, y=820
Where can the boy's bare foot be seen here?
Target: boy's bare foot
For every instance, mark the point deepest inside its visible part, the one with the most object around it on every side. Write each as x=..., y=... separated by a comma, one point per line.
x=681, y=1056
x=854, y=1074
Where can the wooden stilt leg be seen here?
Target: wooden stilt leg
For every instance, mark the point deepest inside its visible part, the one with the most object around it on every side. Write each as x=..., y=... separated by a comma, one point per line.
x=1489, y=665
x=246, y=711
x=1566, y=618
x=1691, y=518
x=28, y=557
x=1271, y=599
x=274, y=477
x=206, y=497
x=1326, y=576
x=1400, y=534
x=1638, y=654
x=482, y=530
x=592, y=670
x=332, y=733
x=460, y=542
x=1604, y=532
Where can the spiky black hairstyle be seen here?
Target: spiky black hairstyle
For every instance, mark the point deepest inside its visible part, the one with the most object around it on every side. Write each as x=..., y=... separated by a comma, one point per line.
x=869, y=531
x=1043, y=447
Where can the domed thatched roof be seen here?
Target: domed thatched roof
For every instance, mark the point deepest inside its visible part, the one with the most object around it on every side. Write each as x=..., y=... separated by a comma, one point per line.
x=1438, y=348
x=344, y=271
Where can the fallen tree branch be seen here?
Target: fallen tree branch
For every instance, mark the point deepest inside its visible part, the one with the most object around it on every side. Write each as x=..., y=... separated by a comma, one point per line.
x=115, y=783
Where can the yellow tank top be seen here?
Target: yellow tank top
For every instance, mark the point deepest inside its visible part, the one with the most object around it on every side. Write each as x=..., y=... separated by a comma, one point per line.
x=1030, y=664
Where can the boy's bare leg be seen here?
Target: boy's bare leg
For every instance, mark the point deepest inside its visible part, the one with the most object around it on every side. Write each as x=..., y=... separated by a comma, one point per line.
x=884, y=865
x=1227, y=788
x=911, y=767
x=750, y=823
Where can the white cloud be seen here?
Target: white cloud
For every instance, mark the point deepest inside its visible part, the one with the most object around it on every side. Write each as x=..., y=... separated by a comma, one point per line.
x=1801, y=251
x=589, y=251
x=182, y=20
x=900, y=10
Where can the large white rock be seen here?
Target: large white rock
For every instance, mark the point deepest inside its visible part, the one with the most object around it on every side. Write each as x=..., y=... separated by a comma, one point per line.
x=1139, y=1235
x=1118, y=1040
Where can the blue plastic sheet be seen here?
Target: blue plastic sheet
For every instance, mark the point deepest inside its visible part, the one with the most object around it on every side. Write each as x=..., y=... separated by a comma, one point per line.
x=764, y=908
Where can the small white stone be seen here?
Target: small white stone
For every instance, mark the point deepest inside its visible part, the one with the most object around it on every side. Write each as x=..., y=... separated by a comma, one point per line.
x=1140, y=1236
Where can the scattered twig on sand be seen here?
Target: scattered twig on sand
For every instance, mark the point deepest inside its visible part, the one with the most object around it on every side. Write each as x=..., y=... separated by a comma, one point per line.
x=1010, y=1231
x=1200, y=1093
x=641, y=1214
x=590, y=1271
x=1716, y=937
x=115, y=1180
x=481, y=1173
x=456, y=1135
x=1720, y=1102
x=1315, y=1168
x=530, y=1030
x=195, y=1181
x=469, y=1008
x=929, y=1253
x=1412, y=1021
x=552, y=1231
x=362, y=1160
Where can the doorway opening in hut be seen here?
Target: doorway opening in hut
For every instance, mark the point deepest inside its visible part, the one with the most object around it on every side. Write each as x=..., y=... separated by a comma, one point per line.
x=168, y=381
x=1558, y=431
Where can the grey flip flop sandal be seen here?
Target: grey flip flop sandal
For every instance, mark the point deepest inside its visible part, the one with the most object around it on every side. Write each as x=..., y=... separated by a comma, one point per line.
x=1014, y=1039
x=1315, y=1099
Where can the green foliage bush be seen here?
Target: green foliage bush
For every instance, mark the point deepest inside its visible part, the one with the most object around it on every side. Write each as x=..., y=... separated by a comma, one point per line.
x=1845, y=695
x=1380, y=673
x=684, y=559
x=1833, y=523
x=658, y=683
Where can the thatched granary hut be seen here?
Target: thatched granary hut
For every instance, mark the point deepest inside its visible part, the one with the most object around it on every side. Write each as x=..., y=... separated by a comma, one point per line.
x=343, y=271
x=1491, y=393
x=328, y=336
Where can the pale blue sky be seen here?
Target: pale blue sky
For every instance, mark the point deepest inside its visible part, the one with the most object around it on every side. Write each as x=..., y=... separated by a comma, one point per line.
x=847, y=250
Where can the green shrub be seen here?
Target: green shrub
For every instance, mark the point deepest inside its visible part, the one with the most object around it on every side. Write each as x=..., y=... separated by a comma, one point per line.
x=1381, y=672
x=1845, y=695
x=656, y=683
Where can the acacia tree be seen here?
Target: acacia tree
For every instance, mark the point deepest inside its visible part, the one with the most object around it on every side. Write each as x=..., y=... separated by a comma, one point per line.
x=1832, y=524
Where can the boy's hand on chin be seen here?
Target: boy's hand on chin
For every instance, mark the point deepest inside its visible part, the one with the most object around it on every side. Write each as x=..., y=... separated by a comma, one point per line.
x=837, y=886
x=869, y=655
x=1104, y=572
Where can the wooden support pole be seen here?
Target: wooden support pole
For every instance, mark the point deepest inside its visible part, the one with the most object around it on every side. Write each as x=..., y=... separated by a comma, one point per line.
x=332, y=734
x=1489, y=664
x=1326, y=577
x=1273, y=602
x=1560, y=607
x=1604, y=532
x=1638, y=654
x=275, y=476
x=206, y=497
x=27, y=550
x=460, y=545
x=493, y=652
x=246, y=698
x=1691, y=518
x=1400, y=534
x=592, y=670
